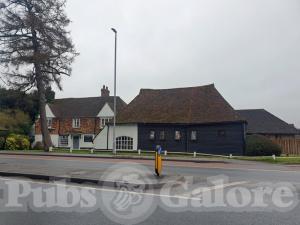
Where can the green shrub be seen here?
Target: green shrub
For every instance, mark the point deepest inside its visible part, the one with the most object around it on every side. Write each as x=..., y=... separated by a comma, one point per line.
x=2, y=143
x=17, y=142
x=258, y=145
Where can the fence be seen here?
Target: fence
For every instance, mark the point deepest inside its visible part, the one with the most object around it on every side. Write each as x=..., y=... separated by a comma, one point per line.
x=289, y=146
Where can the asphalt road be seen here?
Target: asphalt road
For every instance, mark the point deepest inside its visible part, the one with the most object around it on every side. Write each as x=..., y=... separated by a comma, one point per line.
x=175, y=206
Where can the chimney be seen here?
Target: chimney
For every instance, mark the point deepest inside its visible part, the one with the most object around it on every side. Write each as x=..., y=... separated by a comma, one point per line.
x=105, y=91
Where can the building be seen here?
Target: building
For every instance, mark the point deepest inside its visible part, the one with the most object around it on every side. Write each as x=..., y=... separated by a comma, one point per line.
x=196, y=119
x=265, y=123
x=74, y=122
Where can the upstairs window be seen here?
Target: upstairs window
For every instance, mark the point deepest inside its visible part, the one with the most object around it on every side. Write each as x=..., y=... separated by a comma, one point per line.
x=177, y=135
x=194, y=135
x=104, y=121
x=76, y=123
x=49, y=123
x=152, y=135
x=162, y=135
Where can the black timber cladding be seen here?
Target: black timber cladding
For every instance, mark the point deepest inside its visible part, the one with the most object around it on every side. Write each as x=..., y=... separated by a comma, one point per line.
x=223, y=139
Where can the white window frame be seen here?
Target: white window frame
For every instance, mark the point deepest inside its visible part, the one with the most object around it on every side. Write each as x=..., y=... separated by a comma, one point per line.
x=178, y=135
x=63, y=141
x=49, y=122
x=162, y=135
x=76, y=123
x=152, y=135
x=194, y=135
x=88, y=135
x=124, y=143
x=104, y=121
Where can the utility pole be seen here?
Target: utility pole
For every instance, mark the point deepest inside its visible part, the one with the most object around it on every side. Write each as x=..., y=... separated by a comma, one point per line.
x=115, y=91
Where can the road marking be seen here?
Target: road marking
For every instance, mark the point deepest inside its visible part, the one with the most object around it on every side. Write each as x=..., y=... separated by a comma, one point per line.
x=203, y=189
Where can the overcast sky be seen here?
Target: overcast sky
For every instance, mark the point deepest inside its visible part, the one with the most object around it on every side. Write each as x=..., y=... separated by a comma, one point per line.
x=249, y=49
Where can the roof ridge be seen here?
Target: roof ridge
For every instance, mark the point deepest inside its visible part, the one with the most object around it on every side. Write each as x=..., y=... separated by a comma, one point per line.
x=85, y=98
x=179, y=88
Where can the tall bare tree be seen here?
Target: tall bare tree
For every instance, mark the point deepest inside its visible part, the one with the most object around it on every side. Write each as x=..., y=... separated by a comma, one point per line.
x=35, y=48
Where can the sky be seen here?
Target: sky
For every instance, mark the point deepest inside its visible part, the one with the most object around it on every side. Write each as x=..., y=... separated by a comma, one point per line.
x=250, y=49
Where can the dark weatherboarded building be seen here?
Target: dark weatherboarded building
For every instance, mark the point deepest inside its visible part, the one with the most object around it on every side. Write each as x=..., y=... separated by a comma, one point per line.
x=196, y=119
x=262, y=122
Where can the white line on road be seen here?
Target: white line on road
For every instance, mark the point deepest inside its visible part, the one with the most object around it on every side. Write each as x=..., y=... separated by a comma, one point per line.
x=202, y=189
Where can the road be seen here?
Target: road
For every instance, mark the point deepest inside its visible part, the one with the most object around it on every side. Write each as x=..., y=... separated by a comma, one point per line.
x=176, y=206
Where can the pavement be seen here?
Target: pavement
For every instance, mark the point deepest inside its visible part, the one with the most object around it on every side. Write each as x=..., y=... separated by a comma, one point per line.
x=242, y=174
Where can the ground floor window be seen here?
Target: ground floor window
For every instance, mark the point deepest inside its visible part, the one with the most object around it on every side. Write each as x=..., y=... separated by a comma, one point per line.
x=124, y=143
x=63, y=141
x=88, y=138
x=162, y=135
x=194, y=135
x=152, y=135
x=177, y=135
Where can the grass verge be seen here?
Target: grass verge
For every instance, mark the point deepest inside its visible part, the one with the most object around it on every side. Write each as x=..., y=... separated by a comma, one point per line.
x=292, y=160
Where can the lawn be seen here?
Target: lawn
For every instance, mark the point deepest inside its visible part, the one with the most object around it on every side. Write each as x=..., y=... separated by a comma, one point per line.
x=278, y=160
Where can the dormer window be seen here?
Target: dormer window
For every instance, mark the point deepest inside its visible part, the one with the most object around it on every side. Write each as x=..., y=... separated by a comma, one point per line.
x=49, y=123
x=104, y=121
x=76, y=123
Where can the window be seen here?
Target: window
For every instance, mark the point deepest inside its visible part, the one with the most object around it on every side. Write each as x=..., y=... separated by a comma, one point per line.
x=152, y=135
x=162, y=135
x=49, y=123
x=88, y=138
x=221, y=133
x=177, y=135
x=194, y=135
x=104, y=121
x=124, y=143
x=63, y=141
x=76, y=123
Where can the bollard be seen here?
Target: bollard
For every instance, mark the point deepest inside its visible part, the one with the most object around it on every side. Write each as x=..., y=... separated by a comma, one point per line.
x=158, y=161
x=139, y=152
x=195, y=154
x=51, y=149
x=92, y=151
x=71, y=150
x=230, y=156
x=274, y=157
x=166, y=153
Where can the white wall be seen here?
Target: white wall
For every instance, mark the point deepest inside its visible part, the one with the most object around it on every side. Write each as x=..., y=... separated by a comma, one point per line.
x=55, y=141
x=39, y=138
x=106, y=111
x=130, y=130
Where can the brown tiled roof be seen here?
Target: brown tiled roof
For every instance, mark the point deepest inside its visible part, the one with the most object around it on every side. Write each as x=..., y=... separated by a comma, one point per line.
x=261, y=121
x=83, y=107
x=182, y=105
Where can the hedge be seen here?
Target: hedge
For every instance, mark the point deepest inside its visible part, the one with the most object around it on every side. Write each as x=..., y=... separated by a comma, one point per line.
x=258, y=145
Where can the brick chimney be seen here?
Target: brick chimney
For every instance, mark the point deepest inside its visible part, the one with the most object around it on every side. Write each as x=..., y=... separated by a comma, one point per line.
x=105, y=91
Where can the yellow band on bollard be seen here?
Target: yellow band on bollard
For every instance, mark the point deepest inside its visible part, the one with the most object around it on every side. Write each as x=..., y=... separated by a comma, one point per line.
x=158, y=164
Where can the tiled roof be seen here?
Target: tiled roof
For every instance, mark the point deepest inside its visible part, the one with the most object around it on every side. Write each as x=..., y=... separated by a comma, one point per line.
x=261, y=121
x=195, y=105
x=83, y=107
